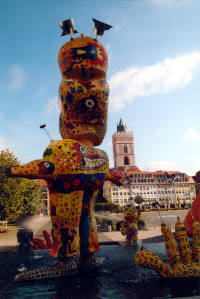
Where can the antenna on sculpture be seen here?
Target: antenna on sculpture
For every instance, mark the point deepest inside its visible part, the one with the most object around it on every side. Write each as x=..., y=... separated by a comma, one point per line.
x=100, y=27
x=43, y=127
x=68, y=27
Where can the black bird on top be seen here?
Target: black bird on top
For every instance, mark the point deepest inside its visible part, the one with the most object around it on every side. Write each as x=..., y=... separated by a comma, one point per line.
x=68, y=27
x=100, y=27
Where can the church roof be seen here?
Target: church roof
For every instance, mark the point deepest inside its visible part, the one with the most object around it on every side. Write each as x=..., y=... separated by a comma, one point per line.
x=121, y=127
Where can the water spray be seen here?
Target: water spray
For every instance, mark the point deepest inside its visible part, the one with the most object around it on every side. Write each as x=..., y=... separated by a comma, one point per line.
x=156, y=207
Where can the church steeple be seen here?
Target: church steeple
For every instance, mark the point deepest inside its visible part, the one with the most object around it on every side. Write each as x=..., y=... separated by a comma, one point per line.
x=121, y=127
x=123, y=148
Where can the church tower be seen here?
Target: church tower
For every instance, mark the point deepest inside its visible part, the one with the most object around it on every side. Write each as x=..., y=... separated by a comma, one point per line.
x=123, y=148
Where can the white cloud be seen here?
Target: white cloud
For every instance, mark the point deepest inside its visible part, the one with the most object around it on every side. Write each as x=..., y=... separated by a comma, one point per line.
x=192, y=170
x=169, y=2
x=108, y=47
x=3, y=143
x=111, y=162
x=160, y=78
x=159, y=132
x=120, y=26
x=162, y=165
x=52, y=106
x=17, y=78
x=192, y=135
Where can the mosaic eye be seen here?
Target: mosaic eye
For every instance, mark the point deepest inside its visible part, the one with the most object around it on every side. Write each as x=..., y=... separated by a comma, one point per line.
x=47, y=165
x=89, y=103
x=82, y=150
x=70, y=81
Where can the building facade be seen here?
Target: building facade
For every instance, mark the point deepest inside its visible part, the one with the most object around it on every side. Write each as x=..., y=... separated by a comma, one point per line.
x=171, y=189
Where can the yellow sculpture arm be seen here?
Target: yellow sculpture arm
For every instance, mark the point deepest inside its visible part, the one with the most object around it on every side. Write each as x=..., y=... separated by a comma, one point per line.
x=183, y=262
x=62, y=157
x=152, y=261
x=30, y=170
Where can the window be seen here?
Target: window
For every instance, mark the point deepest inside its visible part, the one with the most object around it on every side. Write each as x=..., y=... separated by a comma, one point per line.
x=125, y=148
x=126, y=161
x=115, y=188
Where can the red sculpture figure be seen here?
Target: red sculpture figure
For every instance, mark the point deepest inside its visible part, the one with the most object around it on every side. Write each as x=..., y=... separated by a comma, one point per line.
x=129, y=226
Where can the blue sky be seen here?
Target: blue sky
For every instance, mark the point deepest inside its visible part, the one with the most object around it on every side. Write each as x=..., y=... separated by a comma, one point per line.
x=154, y=75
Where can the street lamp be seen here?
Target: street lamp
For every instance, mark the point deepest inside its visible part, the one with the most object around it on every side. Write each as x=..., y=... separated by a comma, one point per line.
x=165, y=181
x=173, y=186
x=138, y=199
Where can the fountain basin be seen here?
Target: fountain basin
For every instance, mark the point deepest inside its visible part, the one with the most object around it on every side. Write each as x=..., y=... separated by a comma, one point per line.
x=117, y=278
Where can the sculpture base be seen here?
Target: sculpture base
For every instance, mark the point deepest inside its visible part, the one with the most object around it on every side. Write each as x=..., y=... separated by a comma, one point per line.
x=67, y=268
x=90, y=262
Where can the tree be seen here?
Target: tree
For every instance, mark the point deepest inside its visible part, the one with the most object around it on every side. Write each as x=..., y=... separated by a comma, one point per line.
x=108, y=206
x=17, y=195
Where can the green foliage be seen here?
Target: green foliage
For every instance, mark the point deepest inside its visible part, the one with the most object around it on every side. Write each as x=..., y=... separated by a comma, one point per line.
x=17, y=195
x=108, y=206
x=103, y=219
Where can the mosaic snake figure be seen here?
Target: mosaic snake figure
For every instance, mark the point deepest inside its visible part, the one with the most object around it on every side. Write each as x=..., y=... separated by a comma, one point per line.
x=183, y=262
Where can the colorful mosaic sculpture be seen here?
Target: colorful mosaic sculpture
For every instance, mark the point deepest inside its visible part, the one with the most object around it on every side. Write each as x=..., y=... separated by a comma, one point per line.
x=183, y=261
x=83, y=91
x=41, y=244
x=129, y=226
x=73, y=168
x=74, y=174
